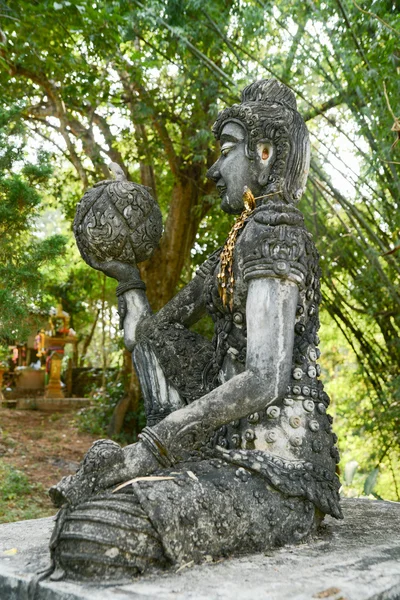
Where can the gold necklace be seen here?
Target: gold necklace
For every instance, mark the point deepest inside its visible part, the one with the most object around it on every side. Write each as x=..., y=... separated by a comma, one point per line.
x=225, y=276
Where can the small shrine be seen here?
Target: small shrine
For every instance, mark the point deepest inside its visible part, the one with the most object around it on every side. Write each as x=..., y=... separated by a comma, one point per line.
x=35, y=365
x=50, y=344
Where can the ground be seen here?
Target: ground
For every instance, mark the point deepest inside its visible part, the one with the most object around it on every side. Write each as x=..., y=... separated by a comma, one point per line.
x=36, y=450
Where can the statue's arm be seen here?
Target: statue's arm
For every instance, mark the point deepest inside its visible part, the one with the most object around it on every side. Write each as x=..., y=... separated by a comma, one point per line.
x=186, y=307
x=271, y=308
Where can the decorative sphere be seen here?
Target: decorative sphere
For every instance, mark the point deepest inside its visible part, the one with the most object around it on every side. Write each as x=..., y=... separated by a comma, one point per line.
x=118, y=220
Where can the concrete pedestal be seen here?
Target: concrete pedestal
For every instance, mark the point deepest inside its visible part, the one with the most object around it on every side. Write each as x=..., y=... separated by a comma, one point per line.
x=354, y=559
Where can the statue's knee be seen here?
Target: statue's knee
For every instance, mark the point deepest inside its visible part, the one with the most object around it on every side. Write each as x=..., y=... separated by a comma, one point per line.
x=108, y=537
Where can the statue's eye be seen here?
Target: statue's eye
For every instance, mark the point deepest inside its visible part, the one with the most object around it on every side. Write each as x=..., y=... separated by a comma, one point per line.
x=226, y=148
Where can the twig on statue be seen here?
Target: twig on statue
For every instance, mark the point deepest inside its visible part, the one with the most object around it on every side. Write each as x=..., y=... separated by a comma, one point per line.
x=150, y=478
x=185, y=566
x=268, y=195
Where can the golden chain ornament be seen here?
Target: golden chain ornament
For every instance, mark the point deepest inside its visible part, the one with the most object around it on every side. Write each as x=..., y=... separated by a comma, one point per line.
x=225, y=276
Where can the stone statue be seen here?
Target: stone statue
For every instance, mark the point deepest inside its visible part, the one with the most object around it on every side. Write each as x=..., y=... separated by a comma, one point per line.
x=238, y=454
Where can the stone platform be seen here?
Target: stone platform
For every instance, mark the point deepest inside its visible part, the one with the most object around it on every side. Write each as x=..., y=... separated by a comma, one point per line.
x=354, y=559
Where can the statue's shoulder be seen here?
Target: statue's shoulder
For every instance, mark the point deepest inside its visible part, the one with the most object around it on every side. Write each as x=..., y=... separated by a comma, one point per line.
x=276, y=243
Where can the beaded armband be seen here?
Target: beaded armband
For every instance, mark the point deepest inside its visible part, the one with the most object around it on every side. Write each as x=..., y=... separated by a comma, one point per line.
x=280, y=250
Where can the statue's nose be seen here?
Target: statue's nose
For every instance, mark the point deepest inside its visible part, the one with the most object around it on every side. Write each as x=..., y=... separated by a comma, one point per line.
x=213, y=173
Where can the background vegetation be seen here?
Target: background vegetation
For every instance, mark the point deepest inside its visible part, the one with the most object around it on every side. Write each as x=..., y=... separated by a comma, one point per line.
x=140, y=83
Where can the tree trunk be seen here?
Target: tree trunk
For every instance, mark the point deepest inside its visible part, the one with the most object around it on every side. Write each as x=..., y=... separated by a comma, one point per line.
x=88, y=339
x=161, y=273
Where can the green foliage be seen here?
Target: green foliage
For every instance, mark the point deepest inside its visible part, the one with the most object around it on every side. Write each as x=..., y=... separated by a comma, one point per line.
x=370, y=482
x=23, y=255
x=14, y=483
x=19, y=499
x=367, y=464
x=96, y=418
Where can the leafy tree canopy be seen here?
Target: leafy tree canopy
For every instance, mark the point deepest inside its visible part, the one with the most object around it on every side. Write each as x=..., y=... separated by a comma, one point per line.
x=23, y=256
x=140, y=83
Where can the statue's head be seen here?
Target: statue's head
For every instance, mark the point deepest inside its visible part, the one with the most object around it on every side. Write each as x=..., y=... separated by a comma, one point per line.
x=264, y=146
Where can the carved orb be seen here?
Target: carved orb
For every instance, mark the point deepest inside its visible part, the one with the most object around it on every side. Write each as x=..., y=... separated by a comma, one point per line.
x=118, y=220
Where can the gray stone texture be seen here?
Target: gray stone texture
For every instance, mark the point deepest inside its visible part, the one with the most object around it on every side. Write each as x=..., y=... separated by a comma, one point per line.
x=238, y=445
x=354, y=559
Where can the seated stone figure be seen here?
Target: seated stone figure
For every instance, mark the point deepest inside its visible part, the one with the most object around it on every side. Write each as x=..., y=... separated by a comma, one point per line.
x=238, y=454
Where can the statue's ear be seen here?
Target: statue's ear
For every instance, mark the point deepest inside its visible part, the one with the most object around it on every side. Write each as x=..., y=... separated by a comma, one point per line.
x=265, y=154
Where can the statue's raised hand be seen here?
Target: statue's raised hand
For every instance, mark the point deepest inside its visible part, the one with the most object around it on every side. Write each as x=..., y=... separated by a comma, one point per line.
x=120, y=271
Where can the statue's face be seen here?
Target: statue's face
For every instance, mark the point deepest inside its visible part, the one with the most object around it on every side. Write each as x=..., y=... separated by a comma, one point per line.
x=234, y=171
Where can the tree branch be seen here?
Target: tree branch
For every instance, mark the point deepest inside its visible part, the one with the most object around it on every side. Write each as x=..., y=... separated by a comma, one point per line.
x=130, y=86
x=374, y=16
x=315, y=111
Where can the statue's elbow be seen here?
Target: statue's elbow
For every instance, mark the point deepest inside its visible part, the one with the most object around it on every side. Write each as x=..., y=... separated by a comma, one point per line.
x=273, y=379
x=130, y=342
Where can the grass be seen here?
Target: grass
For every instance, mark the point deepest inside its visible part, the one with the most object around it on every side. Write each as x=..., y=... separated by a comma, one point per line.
x=19, y=498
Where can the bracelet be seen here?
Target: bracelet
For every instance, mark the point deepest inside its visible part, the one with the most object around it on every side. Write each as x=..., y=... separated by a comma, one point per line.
x=122, y=310
x=153, y=443
x=134, y=284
